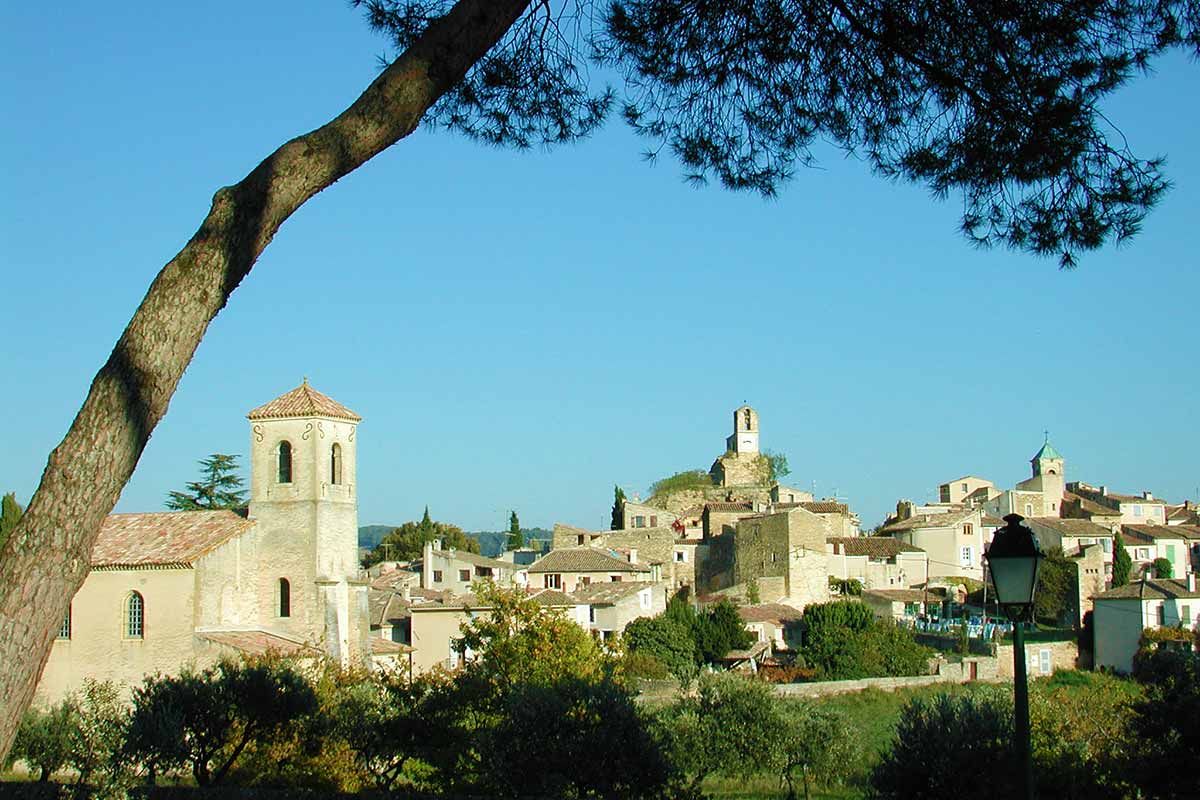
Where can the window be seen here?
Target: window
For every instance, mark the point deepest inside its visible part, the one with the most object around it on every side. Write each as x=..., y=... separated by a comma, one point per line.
x=639, y=521
x=586, y=580
x=791, y=498
x=964, y=487
x=747, y=419
x=968, y=529
x=284, y=457
x=967, y=556
x=1185, y=616
x=680, y=556
x=615, y=578
x=437, y=576
x=135, y=616
x=1044, y=664
x=579, y=539
x=552, y=580
x=1029, y=509
x=644, y=598
x=1161, y=613
x=335, y=463
x=1106, y=545
x=1137, y=511
x=464, y=575
x=592, y=614
x=285, y=598
x=64, y=630
x=1053, y=506
x=653, y=521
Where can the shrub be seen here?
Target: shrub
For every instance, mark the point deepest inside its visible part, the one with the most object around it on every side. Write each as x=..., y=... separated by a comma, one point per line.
x=642, y=664
x=664, y=639
x=1165, y=728
x=1162, y=568
x=951, y=746
x=44, y=739
x=816, y=744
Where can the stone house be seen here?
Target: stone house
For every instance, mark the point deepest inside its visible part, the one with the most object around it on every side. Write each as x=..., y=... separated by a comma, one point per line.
x=774, y=623
x=1077, y=507
x=1072, y=535
x=1145, y=543
x=1040, y=495
x=1122, y=613
x=1186, y=513
x=786, y=545
x=954, y=542
x=967, y=490
x=878, y=562
x=455, y=570
x=612, y=606
x=661, y=547
x=172, y=588
x=1141, y=509
x=566, y=569
x=899, y=605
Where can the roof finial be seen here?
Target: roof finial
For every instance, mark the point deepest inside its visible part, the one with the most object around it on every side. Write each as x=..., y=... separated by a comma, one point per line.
x=306, y=380
x=1047, y=439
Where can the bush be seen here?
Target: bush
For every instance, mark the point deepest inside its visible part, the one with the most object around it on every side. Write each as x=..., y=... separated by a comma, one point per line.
x=44, y=739
x=817, y=746
x=665, y=639
x=1165, y=728
x=642, y=664
x=844, y=641
x=951, y=746
x=1162, y=568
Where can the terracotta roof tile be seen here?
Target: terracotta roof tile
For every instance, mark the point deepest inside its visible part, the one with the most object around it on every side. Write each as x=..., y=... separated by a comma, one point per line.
x=607, y=594
x=769, y=612
x=165, y=537
x=303, y=401
x=1157, y=589
x=878, y=547
x=1069, y=527
x=386, y=647
x=583, y=559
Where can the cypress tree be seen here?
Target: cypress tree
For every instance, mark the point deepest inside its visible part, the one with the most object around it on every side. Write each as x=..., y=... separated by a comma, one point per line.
x=1122, y=563
x=618, y=509
x=516, y=539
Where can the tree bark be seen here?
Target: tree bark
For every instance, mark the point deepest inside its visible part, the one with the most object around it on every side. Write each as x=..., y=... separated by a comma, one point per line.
x=47, y=556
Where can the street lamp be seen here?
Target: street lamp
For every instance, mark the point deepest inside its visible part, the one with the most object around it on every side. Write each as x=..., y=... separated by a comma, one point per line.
x=1014, y=560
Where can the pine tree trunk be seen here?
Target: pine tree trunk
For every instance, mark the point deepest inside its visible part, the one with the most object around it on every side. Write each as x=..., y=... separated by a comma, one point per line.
x=46, y=558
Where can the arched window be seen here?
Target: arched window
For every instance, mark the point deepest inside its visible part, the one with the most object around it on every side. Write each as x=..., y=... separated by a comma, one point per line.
x=285, y=598
x=335, y=463
x=135, y=616
x=285, y=462
x=747, y=419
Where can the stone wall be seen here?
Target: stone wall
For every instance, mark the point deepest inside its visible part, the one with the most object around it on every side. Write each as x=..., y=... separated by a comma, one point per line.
x=741, y=469
x=985, y=670
x=1062, y=655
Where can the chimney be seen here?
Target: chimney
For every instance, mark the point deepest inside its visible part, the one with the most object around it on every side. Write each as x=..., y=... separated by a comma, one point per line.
x=1191, y=581
x=427, y=566
x=1147, y=495
x=407, y=592
x=633, y=555
x=1104, y=491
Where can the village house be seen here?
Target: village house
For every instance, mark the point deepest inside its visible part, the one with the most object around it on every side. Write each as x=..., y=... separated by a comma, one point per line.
x=968, y=490
x=1076, y=507
x=877, y=562
x=1040, y=495
x=568, y=568
x=777, y=625
x=1072, y=535
x=1145, y=543
x=954, y=542
x=659, y=547
x=455, y=570
x=612, y=606
x=782, y=553
x=1121, y=614
x=1141, y=509
x=174, y=588
x=900, y=605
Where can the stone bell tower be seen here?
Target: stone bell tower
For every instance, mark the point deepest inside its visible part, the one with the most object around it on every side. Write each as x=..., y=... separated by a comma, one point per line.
x=745, y=432
x=303, y=499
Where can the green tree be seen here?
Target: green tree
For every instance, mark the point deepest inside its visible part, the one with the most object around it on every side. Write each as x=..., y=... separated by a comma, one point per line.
x=998, y=103
x=1162, y=568
x=99, y=736
x=516, y=539
x=816, y=743
x=1056, y=597
x=10, y=514
x=206, y=720
x=843, y=640
x=44, y=739
x=1122, y=563
x=777, y=466
x=407, y=542
x=219, y=487
x=1165, y=727
x=732, y=727
x=618, y=509
x=718, y=630
x=666, y=639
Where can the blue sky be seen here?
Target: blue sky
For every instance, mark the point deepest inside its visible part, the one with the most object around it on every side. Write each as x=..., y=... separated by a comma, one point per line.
x=523, y=330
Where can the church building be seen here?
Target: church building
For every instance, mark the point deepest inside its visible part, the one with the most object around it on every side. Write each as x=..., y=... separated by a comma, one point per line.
x=168, y=589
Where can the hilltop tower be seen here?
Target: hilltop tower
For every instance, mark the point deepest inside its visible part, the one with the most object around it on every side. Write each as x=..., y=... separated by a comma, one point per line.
x=302, y=496
x=745, y=432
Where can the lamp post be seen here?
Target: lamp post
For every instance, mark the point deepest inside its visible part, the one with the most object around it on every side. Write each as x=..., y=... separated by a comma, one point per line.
x=1014, y=560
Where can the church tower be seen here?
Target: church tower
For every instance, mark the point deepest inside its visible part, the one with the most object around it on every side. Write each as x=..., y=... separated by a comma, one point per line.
x=745, y=432
x=302, y=497
x=1049, y=474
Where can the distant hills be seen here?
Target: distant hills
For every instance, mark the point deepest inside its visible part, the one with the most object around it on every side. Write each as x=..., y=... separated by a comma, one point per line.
x=491, y=543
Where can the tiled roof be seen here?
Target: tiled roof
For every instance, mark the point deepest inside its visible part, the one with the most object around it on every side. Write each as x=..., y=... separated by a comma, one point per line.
x=726, y=506
x=474, y=558
x=1153, y=532
x=769, y=612
x=825, y=507
x=545, y=597
x=582, y=559
x=386, y=647
x=1047, y=451
x=259, y=643
x=878, y=547
x=606, y=594
x=164, y=537
x=1156, y=589
x=1134, y=498
x=395, y=579
x=303, y=401
x=1069, y=527
x=947, y=520
x=1187, y=531
x=898, y=595
x=387, y=607
x=1090, y=506
x=989, y=521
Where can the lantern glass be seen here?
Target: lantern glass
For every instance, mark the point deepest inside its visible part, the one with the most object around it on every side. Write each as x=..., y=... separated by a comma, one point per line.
x=1014, y=578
